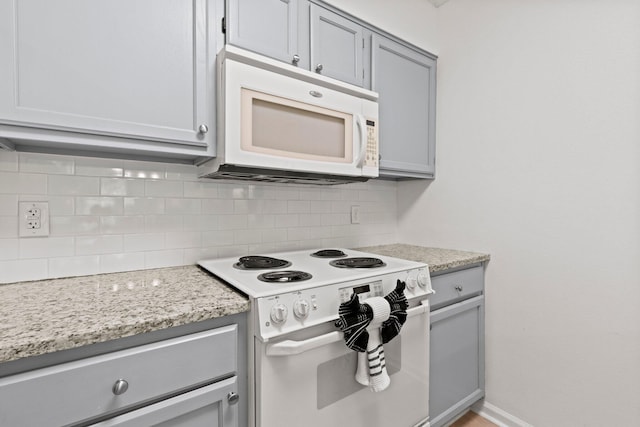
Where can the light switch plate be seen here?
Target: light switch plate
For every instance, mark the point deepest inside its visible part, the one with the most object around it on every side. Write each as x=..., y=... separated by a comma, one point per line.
x=33, y=219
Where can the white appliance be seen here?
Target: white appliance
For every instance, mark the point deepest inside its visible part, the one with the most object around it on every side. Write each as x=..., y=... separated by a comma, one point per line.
x=301, y=373
x=279, y=123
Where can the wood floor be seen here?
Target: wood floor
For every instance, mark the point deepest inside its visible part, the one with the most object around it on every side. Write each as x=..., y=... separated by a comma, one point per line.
x=471, y=419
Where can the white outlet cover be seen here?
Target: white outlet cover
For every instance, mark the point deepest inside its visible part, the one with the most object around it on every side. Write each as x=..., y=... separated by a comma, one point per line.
x=24, y=220
x=355, y=214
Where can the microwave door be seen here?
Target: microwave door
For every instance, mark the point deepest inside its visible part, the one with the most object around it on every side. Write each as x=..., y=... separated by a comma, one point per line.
x=273, y=121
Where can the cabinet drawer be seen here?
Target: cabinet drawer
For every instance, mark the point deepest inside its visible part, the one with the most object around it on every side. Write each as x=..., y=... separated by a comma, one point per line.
x=208, y=406
x=83, y=389
x=456, y=286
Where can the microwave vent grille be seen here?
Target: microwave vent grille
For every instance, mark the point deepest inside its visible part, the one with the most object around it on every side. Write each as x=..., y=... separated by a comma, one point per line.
x=280, y=176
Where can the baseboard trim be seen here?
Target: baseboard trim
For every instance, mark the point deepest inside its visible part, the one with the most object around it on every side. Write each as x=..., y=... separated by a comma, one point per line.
x=498, y=416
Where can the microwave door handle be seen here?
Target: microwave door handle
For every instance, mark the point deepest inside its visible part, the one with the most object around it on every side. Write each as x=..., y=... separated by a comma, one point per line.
x=291, y=347
x=363, y=140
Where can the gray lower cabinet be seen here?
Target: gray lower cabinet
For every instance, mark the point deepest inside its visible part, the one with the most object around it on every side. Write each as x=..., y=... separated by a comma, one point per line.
x=122, y=75
x=405, y=79
x=456, y=375
x=205, y=407
x=190, y=380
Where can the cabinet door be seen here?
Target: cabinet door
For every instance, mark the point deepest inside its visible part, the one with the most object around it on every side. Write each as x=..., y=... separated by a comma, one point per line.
x=456, y=374
x=210, y=406
x=268, y=27
x=406, y=82
x=138, y=69
x=337, y=46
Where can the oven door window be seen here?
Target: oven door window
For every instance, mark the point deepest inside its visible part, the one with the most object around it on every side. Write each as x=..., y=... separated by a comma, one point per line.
x=286, y=128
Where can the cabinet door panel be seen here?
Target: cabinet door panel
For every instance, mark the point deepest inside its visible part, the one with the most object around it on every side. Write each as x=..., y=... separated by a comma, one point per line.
x=269, y=27
x=337, y=45
x=134, y=68
x=456, y=374
x=405, y=81
x=204, y=407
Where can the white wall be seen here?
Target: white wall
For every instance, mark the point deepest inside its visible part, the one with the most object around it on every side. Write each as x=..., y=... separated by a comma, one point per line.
x=538, y=164
x=116, y=215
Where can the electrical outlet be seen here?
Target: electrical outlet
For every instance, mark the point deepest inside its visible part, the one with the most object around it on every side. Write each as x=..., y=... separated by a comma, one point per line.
x=34, y=213
x=33, y=224
x=355, y=214
x=33, y=219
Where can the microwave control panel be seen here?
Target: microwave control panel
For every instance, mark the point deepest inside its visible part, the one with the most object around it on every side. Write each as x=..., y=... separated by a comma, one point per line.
x=371, y=159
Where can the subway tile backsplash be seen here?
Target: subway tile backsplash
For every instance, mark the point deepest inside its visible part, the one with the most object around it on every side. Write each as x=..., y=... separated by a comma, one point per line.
x=110, y=215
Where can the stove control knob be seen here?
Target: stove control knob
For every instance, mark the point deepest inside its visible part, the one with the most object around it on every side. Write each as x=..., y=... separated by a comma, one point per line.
x=301, y=309
x=423, y=279
x=412, y=281
x=279, y=313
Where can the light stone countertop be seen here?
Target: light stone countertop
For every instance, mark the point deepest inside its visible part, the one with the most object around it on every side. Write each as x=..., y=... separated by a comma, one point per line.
x=438, y=259
x=58, y=314
x=45, y=316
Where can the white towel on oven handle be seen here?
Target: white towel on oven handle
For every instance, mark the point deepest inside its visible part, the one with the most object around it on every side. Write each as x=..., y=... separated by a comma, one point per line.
x=371, y=370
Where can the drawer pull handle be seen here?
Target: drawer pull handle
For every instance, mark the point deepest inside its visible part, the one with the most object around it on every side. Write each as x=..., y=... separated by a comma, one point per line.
x=458, y=288
x=233, y=398
x=120, y=387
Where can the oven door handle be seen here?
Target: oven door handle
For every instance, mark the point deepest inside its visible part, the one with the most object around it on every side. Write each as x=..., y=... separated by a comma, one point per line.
x=292, y=347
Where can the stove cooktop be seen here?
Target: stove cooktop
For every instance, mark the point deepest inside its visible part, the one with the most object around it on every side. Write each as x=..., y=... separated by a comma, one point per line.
x=320, y=270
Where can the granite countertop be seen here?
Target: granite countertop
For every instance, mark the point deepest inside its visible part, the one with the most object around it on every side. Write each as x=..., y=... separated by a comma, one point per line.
x=58, y=314
x=437, y=258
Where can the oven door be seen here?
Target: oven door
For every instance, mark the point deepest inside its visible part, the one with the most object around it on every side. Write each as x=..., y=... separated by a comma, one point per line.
x=307, y=379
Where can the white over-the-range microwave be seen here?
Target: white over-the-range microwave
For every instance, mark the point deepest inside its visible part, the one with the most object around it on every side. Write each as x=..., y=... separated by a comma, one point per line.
x=278, y=123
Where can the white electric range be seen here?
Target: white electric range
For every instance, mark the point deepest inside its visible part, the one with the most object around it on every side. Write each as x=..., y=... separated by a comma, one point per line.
x=301, y=372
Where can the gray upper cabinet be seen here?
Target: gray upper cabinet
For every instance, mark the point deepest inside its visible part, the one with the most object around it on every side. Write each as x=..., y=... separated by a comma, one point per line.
x=337, y=46
x=300, y=33
x=133, y=69
x=268, y=27
x=406, y=82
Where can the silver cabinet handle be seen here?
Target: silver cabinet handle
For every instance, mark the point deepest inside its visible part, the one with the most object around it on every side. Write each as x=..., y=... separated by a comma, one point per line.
x=120, y=387
x=203, y=129
x=296, y=59
x=232, y=398
x=319, y=68
x=458, y=288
